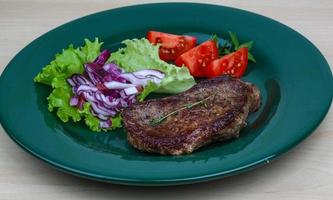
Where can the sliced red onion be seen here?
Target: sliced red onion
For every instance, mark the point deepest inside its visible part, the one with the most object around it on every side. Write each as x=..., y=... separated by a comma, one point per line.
x=71, y=82
x=102, y=58
x=122, y=94
x=105, y=124
x=112, y=69
x=113, y=103
x=102, y=100
x=114, y=85
x=142, y=77
x=131, y=97
x=74, y=89
x=134, y=80
x=103, y=117
x=123, y=103
x=131, y=90
x=107, y=88
x=89, y=96
x=107, y=102
x=149, y=72
x=81, y=80
x=85, y=88
x=154, y=79
x=98, y=96
x=74, y=101
x=93, y=75
x=93, y=112
x=113, y=73
x=94, y=66
x=98, y=110
x=110, y=77
x=103, y=97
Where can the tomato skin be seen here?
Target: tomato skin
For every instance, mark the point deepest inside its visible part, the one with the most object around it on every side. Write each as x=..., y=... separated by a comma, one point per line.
x=198, y=58
x=172, y=46
x=234, y=64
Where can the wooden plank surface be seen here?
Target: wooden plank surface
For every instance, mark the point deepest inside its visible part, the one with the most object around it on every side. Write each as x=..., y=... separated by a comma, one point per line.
x=304, y=173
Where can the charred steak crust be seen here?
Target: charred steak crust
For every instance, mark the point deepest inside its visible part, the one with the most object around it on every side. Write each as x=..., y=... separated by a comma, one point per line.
x=219, y=118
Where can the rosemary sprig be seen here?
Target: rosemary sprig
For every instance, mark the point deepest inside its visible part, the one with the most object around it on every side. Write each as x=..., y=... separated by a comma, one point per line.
x=157, y=121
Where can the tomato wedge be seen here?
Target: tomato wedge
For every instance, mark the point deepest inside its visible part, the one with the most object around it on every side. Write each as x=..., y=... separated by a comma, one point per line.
x=233, y=64
x=198, y=58
x=172, y=45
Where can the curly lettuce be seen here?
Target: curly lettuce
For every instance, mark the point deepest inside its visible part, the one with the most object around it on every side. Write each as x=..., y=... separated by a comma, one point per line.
x=70, y=61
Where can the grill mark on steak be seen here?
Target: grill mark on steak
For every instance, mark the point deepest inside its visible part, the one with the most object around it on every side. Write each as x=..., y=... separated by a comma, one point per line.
x=220, y=119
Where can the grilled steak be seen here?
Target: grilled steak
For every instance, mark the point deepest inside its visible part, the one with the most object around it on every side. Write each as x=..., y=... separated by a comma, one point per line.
x=213, y=110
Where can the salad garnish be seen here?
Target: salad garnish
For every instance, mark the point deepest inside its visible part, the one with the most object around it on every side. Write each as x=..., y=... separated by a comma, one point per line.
x=94, y=86
x=107, y=88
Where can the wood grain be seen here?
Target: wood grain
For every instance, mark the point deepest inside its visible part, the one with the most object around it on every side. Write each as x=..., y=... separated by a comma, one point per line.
x=306, y=172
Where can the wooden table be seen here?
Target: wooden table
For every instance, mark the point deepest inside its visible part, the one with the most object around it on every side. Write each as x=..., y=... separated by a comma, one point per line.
x=306, y=172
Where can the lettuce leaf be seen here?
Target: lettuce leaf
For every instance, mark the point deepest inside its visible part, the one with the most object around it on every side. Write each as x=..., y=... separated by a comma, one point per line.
x=150, y=87
x=140, y=54
x=91, y=121
x=70, y=61
x=116, y=122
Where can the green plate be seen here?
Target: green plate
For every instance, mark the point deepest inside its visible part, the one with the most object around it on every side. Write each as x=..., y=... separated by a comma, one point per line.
x=293, y=76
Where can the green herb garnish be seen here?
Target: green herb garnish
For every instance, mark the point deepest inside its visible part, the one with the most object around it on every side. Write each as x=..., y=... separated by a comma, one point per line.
x=236, y=44
x=215, y=39
x=157, y=121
